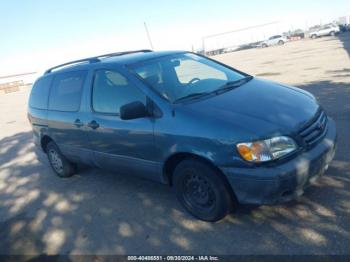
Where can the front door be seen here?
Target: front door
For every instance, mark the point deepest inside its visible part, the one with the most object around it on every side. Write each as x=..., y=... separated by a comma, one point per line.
x=125, y=146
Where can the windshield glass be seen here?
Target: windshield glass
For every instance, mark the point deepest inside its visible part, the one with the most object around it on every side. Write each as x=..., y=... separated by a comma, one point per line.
x=178, y=76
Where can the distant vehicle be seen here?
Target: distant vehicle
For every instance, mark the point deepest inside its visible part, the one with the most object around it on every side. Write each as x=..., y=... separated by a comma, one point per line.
x=343, y=28
x=274, y=40
x=324, y=31
x=217, y=135
x=296, y=34
x=241, y=47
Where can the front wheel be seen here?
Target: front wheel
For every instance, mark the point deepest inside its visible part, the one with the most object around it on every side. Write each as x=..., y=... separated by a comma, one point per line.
x=202, y=190
x=313, y=36
x=332, y=33
x=58, y=162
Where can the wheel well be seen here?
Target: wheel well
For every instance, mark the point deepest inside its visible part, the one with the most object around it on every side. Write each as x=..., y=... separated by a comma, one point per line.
x=171, y=163
x=174, y=160
x=44, y=141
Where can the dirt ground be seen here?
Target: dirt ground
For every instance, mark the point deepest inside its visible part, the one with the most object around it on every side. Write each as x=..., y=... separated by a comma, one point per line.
x=105, y=213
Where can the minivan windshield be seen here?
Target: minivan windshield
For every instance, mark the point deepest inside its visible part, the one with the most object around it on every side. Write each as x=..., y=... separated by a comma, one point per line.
x=185, y=76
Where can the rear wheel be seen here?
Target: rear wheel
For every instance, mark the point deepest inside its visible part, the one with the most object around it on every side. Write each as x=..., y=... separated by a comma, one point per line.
x=313, y=36
x=332, y=33
x=280, y=42
x=264, y=45
x=202, y=190
x=60, y=165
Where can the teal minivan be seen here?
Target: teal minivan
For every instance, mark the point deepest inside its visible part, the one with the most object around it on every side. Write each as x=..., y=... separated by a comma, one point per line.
x=217, y=135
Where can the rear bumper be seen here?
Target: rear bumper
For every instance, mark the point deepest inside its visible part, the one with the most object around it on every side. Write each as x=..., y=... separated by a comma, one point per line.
x=269, y=185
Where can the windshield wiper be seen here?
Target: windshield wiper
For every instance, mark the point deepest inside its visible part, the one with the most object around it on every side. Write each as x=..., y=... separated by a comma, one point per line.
x=233, y=84
x=226, y=87
x=191, y=96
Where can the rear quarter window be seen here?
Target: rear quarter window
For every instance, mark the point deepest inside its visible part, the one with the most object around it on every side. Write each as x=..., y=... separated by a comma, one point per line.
x=66, y=91
x=40, y=93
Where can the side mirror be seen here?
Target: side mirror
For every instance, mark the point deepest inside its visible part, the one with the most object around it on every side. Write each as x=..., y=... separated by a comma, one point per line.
x=133, y=110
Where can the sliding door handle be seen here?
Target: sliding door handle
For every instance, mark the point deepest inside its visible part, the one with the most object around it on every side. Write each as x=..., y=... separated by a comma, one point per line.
x=78, y=123
x=93, y=124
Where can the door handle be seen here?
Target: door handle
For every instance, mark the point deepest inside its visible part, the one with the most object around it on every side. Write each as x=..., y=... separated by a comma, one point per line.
x=93, y=124
x=78, y=123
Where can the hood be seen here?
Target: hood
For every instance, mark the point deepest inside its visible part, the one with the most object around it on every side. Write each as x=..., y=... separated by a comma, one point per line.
x=260, y=105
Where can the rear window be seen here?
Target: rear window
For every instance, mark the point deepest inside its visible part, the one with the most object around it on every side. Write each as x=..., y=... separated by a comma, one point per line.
x=66, y=91
x=40, y=93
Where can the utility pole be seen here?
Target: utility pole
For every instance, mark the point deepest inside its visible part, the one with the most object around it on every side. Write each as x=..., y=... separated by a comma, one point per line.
x=148, y=35
x=203, y=45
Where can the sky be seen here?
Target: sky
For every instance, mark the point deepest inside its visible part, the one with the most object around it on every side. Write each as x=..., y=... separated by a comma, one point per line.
x=36, y=34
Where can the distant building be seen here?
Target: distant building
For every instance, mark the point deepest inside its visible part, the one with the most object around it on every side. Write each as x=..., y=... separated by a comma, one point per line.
x=26, y=78
x=13, y=83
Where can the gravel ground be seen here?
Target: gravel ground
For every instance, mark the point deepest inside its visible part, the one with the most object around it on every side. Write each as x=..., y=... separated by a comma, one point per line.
x=96, y=212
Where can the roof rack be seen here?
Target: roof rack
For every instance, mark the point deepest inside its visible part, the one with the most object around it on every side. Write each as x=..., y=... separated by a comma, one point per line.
x=96, y=59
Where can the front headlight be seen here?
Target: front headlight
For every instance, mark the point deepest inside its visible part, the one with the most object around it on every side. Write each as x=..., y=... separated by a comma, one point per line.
x=266, y=150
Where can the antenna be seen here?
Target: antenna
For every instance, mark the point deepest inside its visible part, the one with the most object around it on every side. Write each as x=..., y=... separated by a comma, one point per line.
x=148, y=35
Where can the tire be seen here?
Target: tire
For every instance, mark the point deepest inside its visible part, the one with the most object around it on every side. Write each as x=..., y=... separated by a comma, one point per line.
x=313, y=36
x=280, y=42
x=332, y=33
x=264, y=45
x=59, y=164
x=202, y=190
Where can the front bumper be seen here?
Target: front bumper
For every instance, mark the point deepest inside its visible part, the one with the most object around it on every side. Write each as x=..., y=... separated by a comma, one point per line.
x=269, y=185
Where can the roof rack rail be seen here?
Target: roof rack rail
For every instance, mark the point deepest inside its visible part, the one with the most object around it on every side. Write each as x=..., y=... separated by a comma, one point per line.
x=96, y=59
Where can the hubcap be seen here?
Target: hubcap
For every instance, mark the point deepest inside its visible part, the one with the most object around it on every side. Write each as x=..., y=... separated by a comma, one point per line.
x=198, y=192
x=56, y=161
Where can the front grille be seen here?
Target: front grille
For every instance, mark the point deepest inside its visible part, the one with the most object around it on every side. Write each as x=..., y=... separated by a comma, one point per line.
x=315, y=130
